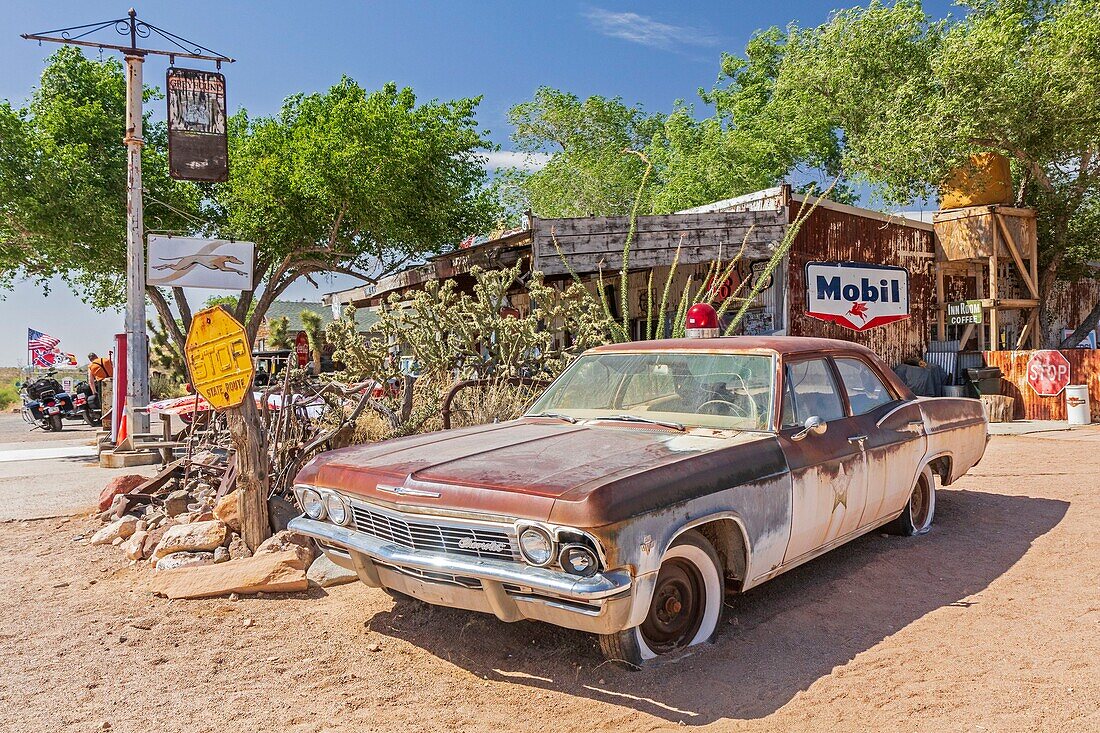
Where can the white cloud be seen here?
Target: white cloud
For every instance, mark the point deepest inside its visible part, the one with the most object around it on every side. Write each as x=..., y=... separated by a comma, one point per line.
x=496, y=159
x=647, y=31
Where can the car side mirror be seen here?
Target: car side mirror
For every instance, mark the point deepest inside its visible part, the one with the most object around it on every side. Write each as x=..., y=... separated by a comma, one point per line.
x=814, y=425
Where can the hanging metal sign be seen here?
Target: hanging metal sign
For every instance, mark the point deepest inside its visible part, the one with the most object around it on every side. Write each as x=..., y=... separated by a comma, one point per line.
x=187, y=262
x=198, y=149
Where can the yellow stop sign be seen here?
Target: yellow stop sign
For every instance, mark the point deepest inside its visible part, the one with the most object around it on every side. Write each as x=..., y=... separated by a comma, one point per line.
x=218, y=358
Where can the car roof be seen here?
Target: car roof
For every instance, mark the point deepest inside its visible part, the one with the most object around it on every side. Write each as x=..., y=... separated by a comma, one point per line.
x=782, y=345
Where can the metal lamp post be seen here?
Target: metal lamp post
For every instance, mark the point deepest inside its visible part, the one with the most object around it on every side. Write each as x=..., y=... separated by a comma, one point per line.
x=137, y=347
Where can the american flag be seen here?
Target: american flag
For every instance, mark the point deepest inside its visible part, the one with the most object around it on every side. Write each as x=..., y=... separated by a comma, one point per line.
x=38, y=340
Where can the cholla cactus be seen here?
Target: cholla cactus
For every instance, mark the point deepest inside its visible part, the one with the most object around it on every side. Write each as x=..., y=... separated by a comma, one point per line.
x=452, y=335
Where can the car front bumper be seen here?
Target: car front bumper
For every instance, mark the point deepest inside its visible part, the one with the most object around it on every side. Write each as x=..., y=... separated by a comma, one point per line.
x=600, y=604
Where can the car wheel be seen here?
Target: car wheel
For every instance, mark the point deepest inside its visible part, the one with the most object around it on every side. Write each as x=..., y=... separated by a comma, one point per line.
x=686, y=608
x=920, y=510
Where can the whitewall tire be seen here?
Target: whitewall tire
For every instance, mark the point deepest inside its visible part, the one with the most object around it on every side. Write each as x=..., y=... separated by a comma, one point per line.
x=685, y=610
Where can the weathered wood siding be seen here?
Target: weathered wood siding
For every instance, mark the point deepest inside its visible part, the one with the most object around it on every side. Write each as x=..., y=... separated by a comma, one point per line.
x=592, y=244
x=1084, y=369
x=969, y=233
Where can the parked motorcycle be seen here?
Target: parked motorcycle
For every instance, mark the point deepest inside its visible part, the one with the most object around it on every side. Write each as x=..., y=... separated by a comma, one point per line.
x=86, y=405
x=46, y=403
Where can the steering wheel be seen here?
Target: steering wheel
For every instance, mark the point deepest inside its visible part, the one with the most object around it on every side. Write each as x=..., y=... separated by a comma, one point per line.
x=736, y=410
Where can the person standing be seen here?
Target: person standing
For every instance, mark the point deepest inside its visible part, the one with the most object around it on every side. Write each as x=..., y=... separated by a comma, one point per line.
x=99, y=368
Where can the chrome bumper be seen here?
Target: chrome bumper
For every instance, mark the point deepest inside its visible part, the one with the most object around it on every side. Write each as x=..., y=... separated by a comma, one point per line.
x=510, y=591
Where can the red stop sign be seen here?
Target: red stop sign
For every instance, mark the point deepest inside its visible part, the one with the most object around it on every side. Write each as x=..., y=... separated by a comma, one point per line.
x=1048, y=372
x=301, y=347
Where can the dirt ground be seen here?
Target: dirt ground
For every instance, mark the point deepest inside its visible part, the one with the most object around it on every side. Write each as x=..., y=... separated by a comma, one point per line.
x=989, y=623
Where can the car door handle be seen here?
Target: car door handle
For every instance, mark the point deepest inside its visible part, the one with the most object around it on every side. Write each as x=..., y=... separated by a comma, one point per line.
x=858, y=439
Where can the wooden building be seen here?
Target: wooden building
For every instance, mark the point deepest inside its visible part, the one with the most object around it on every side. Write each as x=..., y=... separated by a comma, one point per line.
x=833, y=233
x=753, y=225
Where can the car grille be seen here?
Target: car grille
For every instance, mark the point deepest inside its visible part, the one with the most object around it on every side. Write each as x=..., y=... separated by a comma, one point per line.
x=432, y=537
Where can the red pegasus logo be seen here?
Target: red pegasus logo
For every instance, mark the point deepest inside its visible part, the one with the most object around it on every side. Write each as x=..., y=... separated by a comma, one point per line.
x=859, y=310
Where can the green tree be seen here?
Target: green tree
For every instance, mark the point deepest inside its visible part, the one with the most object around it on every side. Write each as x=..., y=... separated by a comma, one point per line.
x=278, y=333
x=165, y=355
x=345, y=180
x=600, y=149
x=63, y=180
x=902, y=99
x=590, y=171
x=315, y=334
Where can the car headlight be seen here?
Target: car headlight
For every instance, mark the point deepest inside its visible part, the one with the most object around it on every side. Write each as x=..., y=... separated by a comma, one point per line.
x=536, y=546
x=336, y=508
x=312, y=504
x=578, y=560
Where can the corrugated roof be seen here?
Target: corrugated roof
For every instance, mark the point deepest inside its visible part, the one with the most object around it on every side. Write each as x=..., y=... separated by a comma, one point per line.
x=293, y=312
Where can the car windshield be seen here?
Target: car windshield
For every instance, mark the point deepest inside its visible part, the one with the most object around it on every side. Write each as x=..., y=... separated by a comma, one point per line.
x=722, y=391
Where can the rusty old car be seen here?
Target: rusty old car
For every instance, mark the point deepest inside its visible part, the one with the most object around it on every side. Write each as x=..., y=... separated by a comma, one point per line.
x=647, y=481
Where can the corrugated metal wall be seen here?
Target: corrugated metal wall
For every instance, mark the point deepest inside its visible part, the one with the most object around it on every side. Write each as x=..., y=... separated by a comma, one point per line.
x=830, y=235
x=1069, y=303
x=1084, y=369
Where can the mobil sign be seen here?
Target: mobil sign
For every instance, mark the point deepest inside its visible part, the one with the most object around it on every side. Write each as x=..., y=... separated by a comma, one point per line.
x=1048, y=372
x=857, y=295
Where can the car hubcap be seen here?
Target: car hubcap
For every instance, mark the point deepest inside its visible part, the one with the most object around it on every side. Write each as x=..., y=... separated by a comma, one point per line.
x=677, y=608
x=918, y=507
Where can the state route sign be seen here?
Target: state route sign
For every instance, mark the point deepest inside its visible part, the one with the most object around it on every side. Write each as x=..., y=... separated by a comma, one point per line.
x=218, y=358
x=1048, y=372
x=187, y=262
x=198, y=149
x=857, y=295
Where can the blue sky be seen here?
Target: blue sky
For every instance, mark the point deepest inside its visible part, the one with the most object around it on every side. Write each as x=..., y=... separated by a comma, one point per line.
x=648, y=52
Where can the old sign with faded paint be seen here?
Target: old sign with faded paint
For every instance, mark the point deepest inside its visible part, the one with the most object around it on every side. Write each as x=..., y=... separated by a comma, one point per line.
x=186, y=262
x=964, y=312
x=218, y=358
x=1048, y=372
x=198, y=149
x=857, y=295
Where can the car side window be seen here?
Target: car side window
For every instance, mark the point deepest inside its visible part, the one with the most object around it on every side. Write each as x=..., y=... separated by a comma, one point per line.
x=865, y=390
x=809, y=389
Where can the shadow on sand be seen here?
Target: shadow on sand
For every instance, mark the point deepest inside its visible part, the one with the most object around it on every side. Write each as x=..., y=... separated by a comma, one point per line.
x=781, y=637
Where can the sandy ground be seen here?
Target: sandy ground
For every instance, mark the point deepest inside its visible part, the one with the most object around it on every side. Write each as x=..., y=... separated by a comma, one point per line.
x=989, y=623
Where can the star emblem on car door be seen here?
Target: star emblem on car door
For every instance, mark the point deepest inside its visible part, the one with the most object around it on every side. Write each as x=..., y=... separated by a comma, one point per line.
x=840, y=496
x=840, y=487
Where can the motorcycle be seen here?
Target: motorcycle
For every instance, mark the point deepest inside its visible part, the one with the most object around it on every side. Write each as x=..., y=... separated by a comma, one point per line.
x=86, y=405
x=46, y=403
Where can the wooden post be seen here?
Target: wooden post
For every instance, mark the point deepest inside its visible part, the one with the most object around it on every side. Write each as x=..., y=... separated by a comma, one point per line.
x=994, y=324
x=252, y=471
x=979, y=288
x=941, y=316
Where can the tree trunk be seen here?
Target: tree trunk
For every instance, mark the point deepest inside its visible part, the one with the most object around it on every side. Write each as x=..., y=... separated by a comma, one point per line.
x=252, y=471
x=317, y=362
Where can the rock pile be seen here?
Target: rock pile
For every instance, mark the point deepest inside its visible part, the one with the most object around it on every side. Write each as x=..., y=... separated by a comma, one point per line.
x=189, y=535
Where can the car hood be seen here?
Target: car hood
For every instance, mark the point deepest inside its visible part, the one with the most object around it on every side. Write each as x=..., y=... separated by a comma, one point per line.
x=519, y=468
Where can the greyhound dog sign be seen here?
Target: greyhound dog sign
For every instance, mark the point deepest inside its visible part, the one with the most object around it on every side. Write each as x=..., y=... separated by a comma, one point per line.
x=857, y=295
x=185, y=262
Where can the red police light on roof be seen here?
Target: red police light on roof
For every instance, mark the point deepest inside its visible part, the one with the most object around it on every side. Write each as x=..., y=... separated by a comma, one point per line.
x=702, y=321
